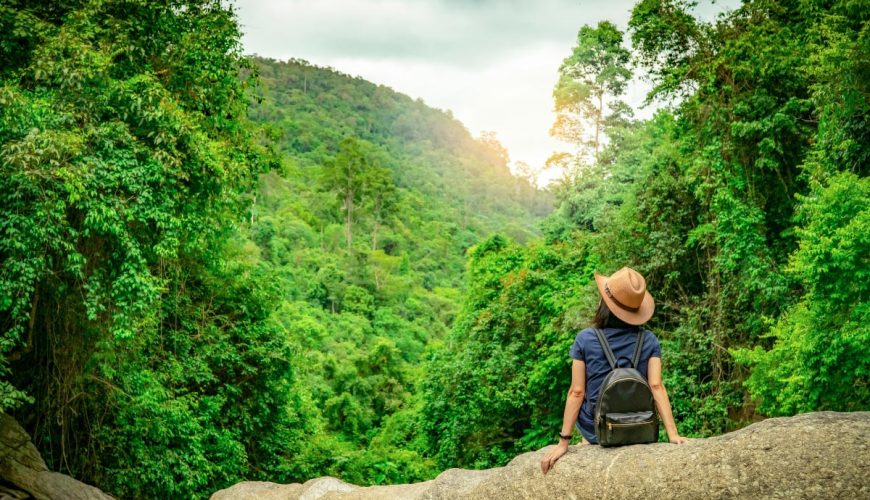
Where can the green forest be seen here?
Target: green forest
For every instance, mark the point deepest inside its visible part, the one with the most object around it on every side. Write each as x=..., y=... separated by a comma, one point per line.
x=217, y=267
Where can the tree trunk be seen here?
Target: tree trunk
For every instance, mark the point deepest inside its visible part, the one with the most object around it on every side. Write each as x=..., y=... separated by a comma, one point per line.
x=598, y=123
x=378, y=206
x=348, y=219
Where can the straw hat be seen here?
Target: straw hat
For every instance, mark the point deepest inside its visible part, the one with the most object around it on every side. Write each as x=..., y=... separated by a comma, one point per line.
x=625, y=294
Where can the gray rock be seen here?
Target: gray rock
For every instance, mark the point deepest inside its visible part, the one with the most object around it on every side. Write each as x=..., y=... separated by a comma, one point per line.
x=25, y=474
x=259, y=490
x=815, y=455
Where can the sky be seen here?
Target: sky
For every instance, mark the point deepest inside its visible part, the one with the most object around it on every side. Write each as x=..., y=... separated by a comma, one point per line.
x=493, y=63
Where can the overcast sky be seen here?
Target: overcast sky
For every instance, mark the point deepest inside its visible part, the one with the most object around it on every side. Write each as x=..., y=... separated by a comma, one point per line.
x=493, y=63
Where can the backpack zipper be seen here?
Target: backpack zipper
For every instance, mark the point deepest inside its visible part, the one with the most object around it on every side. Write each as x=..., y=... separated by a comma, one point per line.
x=611, y=425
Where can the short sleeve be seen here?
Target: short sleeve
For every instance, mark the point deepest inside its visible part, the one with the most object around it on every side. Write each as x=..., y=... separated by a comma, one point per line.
x=578, y=350
x=653, y=342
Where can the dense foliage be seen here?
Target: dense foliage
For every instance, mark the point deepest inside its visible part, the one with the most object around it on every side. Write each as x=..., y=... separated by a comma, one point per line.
x=134, y=332
x=745, y=205
x=172, y=321
x=215, y=268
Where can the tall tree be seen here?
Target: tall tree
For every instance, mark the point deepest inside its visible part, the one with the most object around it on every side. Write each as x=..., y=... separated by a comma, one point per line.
x=345, y=175
x=590, y=82
x=382, y=197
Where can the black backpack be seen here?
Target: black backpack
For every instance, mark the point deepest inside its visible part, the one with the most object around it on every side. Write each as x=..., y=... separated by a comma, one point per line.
x=626, y=410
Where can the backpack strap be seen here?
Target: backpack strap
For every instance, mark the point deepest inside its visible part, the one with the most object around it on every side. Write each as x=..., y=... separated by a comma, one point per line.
x=604, y=345
x=635, y=360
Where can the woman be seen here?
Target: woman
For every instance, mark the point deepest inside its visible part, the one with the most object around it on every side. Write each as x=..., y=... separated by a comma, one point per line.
x=624, y=307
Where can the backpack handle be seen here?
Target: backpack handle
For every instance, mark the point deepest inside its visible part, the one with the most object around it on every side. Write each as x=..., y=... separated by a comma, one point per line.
x=627, y=359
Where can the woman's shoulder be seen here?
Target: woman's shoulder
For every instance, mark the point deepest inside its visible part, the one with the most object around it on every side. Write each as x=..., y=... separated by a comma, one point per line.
x=651, y=343
x=649, y=335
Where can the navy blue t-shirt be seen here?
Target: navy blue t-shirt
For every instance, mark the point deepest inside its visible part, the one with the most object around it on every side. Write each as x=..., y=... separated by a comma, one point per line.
x=622, y=342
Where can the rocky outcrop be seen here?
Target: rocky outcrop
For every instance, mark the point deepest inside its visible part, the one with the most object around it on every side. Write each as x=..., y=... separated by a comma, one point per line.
x=23, y=473
x=815, y=455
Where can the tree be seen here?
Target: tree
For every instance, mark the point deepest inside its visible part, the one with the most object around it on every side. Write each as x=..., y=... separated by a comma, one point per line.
x=493, y=148
x=382, y=198
x=346, y=176
x=590, y=81
x=527, y=172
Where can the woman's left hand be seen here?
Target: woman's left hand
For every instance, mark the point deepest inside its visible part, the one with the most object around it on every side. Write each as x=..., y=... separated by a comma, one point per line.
x=555, y=454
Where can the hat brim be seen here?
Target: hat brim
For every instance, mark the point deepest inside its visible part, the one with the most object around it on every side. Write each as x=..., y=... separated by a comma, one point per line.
x=638, y=317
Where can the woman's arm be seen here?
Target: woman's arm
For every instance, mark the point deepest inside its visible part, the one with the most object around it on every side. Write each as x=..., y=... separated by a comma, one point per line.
x=663, y=403
x=576, y=394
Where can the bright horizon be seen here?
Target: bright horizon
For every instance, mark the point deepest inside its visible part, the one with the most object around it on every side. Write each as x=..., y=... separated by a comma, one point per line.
x=492, y=63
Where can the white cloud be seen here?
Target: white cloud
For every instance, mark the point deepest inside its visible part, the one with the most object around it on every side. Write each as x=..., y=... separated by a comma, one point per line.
x=493, y=63
x=463, y=33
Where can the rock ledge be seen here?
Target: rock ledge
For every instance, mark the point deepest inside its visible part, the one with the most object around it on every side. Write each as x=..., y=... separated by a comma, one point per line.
x=814, y=455
x=23, y=473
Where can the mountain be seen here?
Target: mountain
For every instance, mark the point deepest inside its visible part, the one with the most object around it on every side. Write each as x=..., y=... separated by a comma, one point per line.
x=364, y=224
x=464, y=181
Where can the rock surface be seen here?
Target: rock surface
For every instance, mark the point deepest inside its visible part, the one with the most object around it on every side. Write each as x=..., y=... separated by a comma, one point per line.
x=815, y=455
x=23, y=473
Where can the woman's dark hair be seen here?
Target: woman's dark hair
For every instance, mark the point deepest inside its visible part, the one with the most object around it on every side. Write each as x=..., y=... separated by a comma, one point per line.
x=603, y=317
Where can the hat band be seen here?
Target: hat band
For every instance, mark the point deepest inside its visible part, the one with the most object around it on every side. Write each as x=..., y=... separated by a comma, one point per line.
x=620, y=304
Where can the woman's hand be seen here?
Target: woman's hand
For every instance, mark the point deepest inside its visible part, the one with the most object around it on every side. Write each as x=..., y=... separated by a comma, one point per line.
x=555, y=454
x=678, y=440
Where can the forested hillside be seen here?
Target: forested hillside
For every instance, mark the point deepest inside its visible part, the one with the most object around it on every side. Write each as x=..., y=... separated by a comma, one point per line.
x=216, y=267
x=365, y=227
x=425, y=188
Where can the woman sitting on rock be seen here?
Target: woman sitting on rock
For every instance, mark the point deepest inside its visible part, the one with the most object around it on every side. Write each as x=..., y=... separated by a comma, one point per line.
x=624, y=307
